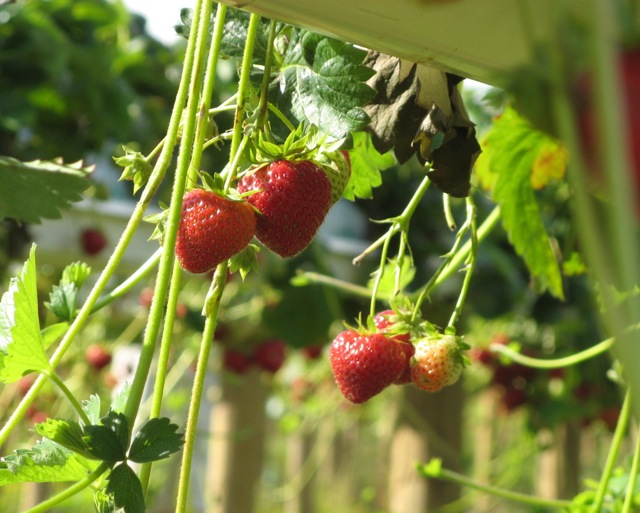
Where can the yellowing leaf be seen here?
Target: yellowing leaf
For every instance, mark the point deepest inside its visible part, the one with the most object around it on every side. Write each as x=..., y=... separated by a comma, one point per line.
x=549, y=164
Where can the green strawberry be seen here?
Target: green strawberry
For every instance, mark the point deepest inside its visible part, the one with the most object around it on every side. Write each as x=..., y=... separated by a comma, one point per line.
x=337, y=167
x=364, y=364
x=437, y=362
x=212, y=229
x=292, y=198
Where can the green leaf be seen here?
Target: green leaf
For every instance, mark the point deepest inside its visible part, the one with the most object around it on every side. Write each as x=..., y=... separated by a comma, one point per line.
x=66, y=433
x=366, y=165
x=510, y=150
x=62, y=299
x=92, y=408
x=156, y=440
x=323, y=84
x=126, y=489
x=136, y=168
x=30, y=191
x=120, y=400
x=21, y=346
x=108, y=441
x=46, y=462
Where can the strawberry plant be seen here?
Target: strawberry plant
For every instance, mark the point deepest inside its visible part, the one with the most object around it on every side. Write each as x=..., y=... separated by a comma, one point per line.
x=316, y=122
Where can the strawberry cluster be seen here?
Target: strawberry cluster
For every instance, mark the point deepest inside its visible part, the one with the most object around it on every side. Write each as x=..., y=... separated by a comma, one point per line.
x=364, y=363
x=282, y=203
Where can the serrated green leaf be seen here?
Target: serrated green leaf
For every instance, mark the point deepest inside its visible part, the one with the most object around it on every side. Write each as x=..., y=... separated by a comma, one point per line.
x=31, y=191
x=324, y=84
x=46, y=462
x=125, y=487
x=62, y=298
x=108, y=441
x=66, y=433
x=120, y=400
x=21, y=345
x=62, y=301
x=156, y=440
x=366, y=165
x=511, y=148
x=91, y=407
x=76, y=273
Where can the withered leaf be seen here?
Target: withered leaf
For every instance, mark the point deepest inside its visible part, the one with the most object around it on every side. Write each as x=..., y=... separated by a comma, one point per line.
x=418, y=109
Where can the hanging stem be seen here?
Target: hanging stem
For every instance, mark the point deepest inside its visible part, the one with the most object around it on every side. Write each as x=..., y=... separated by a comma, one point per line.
x=72, y=399
x=471, y=264
x=214, y=296
x=194, y=61
x=609, y=466
x=627, y=507
x=243, y=92
x=218, y=284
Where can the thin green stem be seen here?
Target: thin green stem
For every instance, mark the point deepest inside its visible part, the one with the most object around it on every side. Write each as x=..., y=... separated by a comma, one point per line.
x=50, y=503
x=470, y=268
x=379, y=274
x=217, y=288
x=142, y=272
x=281, y=117
x=462, y=254
x=566, y=361
x=244, y=85
x=446, y=264
x=263, y=106
x=454, y=477
x=207, y=90
x=614, y=449
x=303, y=278
x=399, y=223
x=163, y=360
x=69, y=395
x=448, y=214
x=633, y=479
x=194, y=61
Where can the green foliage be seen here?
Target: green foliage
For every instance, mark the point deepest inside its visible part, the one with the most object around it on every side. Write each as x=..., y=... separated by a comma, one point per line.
x=126, y=489
x=62, y=299
x=366, y=164
x=323, y=80
x=30, y=191
x=46, y=462
x=21, y=344
x=156, y=440
x=509, y=153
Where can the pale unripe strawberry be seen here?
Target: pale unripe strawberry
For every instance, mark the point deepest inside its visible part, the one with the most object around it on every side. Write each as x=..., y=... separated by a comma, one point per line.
x=337, y=167
x=437, y=362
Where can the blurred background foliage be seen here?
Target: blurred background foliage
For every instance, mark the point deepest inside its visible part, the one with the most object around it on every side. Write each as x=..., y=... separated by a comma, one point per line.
x=81, y=78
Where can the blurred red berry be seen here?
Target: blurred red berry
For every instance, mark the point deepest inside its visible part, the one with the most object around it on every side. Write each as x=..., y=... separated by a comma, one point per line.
x=270, y=355
x=97, y=356
x=92, y=240
x=312, y=352
x=236, y=361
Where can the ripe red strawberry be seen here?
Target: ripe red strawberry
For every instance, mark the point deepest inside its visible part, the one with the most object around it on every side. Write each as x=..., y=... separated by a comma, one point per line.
x=97, y=356
x=384, y=323
x=212, y=229
x=270, y=355
x=293, y=200
x=365, y=364
x=93, y=241
x=437, y=362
